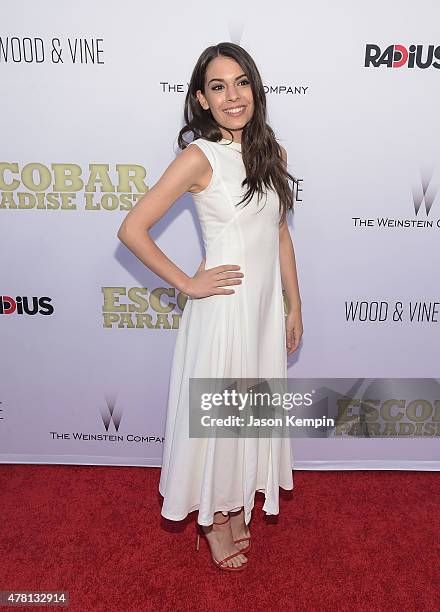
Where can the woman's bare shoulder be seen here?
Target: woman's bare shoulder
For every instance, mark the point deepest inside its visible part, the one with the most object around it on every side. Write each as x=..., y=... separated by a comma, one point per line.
x=197, y=163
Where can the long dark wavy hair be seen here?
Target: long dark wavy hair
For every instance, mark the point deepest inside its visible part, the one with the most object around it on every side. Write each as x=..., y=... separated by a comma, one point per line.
x=260, y=150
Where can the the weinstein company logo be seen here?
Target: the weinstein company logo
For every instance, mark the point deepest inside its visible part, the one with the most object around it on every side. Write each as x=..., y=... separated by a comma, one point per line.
x=423, y=193
x=399, y=56
x=109, y=415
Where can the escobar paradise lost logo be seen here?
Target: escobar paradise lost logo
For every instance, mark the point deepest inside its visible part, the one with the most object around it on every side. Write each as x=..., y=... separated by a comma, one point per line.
x=140, y=308
x=36, y=186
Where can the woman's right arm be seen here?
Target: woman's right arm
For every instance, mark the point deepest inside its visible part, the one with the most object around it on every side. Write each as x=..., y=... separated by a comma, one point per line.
x=180, y=176
x=190, y=171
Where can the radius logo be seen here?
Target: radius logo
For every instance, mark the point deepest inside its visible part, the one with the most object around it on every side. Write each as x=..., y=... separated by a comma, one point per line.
x=399, y=56
x=24, y=305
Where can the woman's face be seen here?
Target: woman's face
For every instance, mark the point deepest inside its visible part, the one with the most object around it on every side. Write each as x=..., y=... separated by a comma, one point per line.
x=227, y=88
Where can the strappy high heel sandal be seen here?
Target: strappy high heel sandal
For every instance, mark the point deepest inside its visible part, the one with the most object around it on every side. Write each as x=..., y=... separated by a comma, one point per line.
x=222, y=563
x=247, y=548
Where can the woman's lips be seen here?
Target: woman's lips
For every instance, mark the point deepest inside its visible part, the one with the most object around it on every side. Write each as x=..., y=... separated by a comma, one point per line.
x=243, y=108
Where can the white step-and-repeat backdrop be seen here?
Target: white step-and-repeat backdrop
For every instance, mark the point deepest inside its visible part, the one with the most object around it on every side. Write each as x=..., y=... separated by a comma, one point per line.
x=92, y=101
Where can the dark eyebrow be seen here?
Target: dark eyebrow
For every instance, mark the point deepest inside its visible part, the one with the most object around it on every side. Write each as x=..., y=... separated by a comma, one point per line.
x=223, y=80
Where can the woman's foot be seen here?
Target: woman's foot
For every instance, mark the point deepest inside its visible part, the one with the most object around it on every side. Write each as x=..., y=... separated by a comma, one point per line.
x=221, y=542
x=239, y=529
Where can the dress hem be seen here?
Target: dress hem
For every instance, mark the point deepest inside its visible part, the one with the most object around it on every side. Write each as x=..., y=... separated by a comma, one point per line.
x=230, y=508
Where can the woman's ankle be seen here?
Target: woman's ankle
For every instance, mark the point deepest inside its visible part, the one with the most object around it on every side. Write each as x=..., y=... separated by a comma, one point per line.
x=236, y=512
x=219, y=519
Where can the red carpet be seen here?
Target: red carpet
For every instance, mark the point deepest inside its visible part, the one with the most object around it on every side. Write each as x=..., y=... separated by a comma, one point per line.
x=343, y=541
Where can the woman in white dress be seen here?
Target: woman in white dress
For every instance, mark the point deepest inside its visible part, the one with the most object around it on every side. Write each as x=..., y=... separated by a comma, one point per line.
x=234, y=323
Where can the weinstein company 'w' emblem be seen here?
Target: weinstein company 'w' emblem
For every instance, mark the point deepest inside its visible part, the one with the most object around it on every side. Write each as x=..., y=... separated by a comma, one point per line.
x=110, y=414
x=425, y=192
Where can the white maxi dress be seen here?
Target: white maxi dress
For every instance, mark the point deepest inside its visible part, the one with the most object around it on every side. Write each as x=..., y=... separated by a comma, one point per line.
x=230, y=335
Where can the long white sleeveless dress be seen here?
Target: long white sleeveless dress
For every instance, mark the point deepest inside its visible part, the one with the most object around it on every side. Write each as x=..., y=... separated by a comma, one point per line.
x=231, y=335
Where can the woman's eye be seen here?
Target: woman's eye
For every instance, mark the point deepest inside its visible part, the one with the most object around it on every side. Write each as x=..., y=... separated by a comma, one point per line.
x=245, y=81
